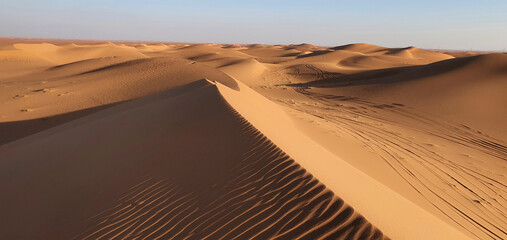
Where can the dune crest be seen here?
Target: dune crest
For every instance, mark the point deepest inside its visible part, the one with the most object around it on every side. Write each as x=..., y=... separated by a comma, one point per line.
x=387, y=206
x=237, y=185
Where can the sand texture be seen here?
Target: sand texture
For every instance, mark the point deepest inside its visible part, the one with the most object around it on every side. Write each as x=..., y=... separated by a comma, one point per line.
x=128, y=140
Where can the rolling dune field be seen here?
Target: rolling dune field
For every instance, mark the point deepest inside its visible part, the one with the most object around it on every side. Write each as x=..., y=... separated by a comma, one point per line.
x=131, y=140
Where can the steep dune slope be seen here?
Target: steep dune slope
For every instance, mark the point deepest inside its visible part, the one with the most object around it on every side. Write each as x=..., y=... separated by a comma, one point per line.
x=179, y=164
x=385, y=208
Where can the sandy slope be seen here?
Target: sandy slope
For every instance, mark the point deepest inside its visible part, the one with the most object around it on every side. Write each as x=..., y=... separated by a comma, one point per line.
x=178, y=164
x=384, y=206
x=412, y=139
x=468, y=90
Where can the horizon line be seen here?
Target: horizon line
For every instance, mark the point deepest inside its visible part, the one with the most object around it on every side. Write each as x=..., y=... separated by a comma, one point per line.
x=280, y=44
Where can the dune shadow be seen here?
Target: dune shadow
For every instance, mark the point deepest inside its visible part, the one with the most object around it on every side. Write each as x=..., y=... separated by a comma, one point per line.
x=11, y=131
x=260, y=193
x=315, y=53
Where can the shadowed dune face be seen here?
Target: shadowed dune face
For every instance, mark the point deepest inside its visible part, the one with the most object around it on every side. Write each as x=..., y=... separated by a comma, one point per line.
x=12, y=131
x=209, y=178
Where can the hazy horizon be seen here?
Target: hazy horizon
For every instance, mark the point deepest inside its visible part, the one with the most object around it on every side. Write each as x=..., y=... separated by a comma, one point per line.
x=450, y=25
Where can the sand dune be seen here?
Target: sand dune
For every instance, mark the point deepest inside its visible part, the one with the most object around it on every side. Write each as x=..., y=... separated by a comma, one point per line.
x=128, y=140
x=42, y=94
x=360, y=47
x=460, y=171
x=356, y=58
x=449, y=169
x=73, y=52
x=467, y=90
x=156, y=188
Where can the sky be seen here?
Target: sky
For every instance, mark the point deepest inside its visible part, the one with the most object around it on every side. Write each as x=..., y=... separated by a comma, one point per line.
x=443, y=24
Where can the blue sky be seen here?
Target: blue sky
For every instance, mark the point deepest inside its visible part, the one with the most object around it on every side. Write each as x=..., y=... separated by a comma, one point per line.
x=451, y=24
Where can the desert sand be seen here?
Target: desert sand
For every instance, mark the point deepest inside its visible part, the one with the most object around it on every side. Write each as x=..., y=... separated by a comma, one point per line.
x=130, y=140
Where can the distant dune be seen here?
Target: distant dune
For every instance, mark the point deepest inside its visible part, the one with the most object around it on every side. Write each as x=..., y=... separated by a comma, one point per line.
x=107, y=140
x=467, y=90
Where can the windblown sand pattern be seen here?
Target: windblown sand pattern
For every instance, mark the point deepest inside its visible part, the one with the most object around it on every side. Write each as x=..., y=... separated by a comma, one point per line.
x=236, y=187
x=263, y=194
x=457, y=189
